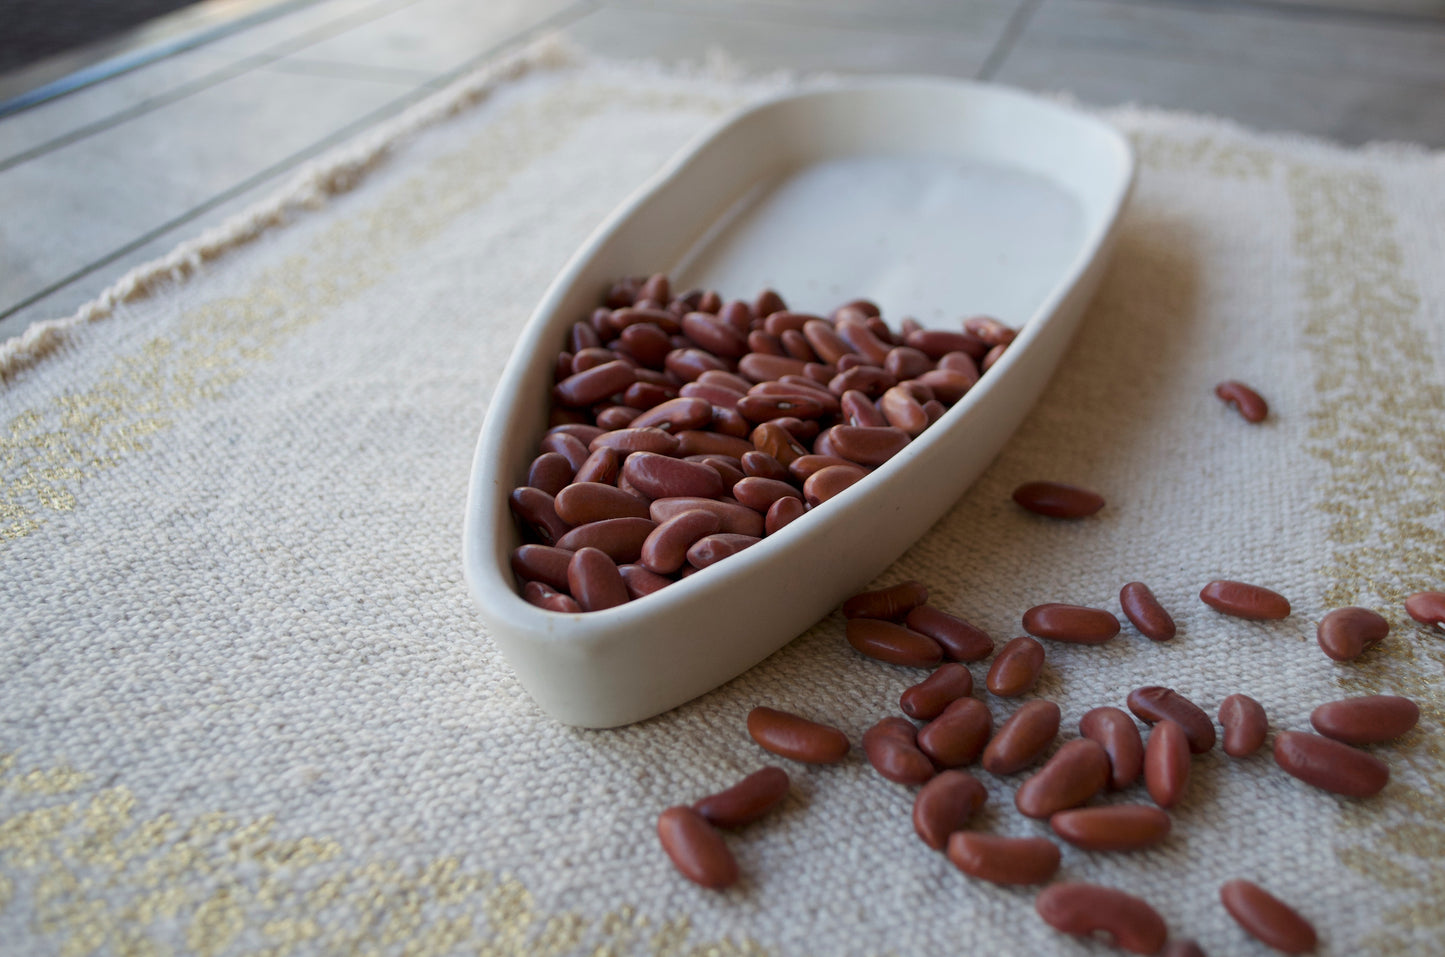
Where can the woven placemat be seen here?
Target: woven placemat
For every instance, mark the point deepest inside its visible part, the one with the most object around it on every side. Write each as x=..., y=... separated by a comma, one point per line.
x=247, y=706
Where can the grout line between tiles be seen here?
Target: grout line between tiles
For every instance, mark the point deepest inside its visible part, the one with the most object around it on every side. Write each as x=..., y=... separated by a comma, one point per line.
x=1012, y=31
x=562, y=18
x=209, y=80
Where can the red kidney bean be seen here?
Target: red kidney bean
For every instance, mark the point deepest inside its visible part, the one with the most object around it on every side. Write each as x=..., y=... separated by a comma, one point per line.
x=1023, y=738
x=664, y=550
x=550, y=472
x=729, y=422
x=958, y=639
x=937, y=343
x=1017, y=668
x=735, y=518
x=893, y=643
x=646, y=395
x=1249, y=403
x=863, y=340
x=656, y=287
x=617, y=416
x=948, y=385
x=696, y=849
x=1346, y=633
x=992, y=357
x=1267, y=918
x=627, y=441
x=592, y=357
x=660, y=476
x=892, y=603
x=676, y=415
x=944, y=805
x=759, y=367
x=746, y=801
x=857, y=409
x=792, y=736
x=689, y=364
x=580, y=431
x=1075, y=773
x=803, y=467
x=781, y=320
x=620, y=538
x=957, y=736
x=869, y=380
x=866, y=445
x=1166, y=764
x=767, y=407
x=1057, y=500
x=711, y=549
x=1155, y=703
x=830, y=482
x=783, y=512
x=829, y=346
x=1427, y=607
x=772, y=438
x=892, y=748
x=714, y=335
x=762, y=465
x=602, y=466
x=1330, y=765
x=1119, y=736
x=594, y=385
x=641, y=581
x=542, y=596
x=960, y=362
x=1245, y=725
x=1004, y=860
x=594, y=581
x=1145, y=613
x=903, y=411
x=726, y=468
x=536, y=510
x=583, y=502
x=927, y=699
x=644, y=341
x=761, y=343
x=711, y=394
x=727, y=380
x=1182, y=947
x=1077, y=624
x=1089, y=910
x=1366, y=720
x=1243, y=600
x=989, y=330
x=767, y=303
x=1120, y=827
x=582, y=336
x=759, y=494
x=802, y=430
x=796, y=345
x=567, y=445
x=542, y=563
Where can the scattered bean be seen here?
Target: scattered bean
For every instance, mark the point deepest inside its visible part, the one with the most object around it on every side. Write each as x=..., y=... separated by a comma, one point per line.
x=1144, y=611
x=1022, y=738
x=957, y=736
x=1243, y=600
x=792, y=736
x=959, y=640
x=892, y=603
x=1119, y=827
x=1366, y=720
x=1183, y=947
x=927, y=699
x=944, y=805
x=1075, y=773
x=1427, y=607
x=1119, y=736
x=746, y=801
x=1017, y=668
x=1076, y=624
x=1166, y=764
x=1058, y=500
x=892, y=748
x=1004, y=860
x=893, y=643
x=1346, y=633
x=1245, y=725
x=1155, y=703
x=696, y=848
x=1330, y=765
x=1267, y=918
x=1249, y=403
x=1087, y=910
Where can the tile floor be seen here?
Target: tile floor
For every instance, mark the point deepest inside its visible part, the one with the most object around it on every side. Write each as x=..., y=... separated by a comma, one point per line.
x=106, y=177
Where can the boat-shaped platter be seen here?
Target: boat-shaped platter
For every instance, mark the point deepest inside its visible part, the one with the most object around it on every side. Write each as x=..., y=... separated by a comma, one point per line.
x=935, y=199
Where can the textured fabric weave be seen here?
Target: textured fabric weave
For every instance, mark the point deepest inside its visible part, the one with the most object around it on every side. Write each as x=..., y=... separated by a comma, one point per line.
x=247, y=706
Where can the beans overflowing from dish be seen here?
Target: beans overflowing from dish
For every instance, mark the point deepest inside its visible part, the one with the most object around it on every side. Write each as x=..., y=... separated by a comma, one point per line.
x=684, y=429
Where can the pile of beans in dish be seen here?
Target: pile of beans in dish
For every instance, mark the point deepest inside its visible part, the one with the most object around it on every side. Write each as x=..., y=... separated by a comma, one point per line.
x=685, y=428
x=943, y=729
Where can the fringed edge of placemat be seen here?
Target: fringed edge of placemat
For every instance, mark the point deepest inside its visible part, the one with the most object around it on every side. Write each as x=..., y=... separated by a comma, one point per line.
x=333, y=174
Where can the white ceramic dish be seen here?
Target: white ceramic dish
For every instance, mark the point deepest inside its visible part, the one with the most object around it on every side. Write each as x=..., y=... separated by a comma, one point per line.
x=936, y=199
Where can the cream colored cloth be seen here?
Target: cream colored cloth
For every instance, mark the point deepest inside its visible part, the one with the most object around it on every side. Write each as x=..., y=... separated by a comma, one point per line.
x=247, y=706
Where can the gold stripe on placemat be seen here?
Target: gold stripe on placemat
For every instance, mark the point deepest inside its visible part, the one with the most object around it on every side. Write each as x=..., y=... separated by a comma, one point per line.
x=1376, y=426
